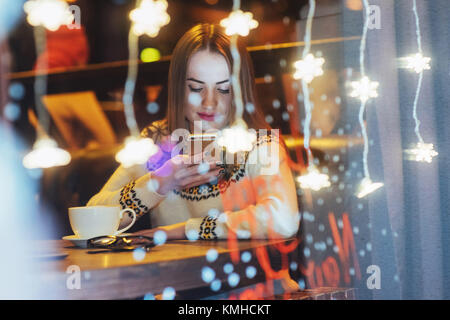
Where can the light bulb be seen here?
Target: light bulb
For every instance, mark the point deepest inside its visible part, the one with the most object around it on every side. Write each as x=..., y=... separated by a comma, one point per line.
x=136, y=151
x=46, y=154
x=150, y=17
x=48, y=13
x=367, y=187
x=308, y=68
x=239, y=23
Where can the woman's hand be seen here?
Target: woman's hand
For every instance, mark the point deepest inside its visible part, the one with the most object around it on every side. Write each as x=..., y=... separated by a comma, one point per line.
x=182, y=171
x=173, y=232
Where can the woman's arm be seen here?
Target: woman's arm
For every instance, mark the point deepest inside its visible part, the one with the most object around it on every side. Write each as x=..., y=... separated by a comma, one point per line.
x=121, y=177
x=273, y=212
x=129, y=188
x=140, y=190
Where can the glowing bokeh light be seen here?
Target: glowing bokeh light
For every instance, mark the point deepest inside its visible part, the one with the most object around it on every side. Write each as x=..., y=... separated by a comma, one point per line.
x=308, y=68
x=239, y=23
x=250, y=272
x=216, y=285
x=364, y=89
x=139, y=254
x=302, y=284
x=152, y=107
x=16, y=90
x=246, y=256
x=208, y=274
x=168, y=293
x=50, y=14
x=12, y=111
x=192, y=235
x=314, y=180
x=136, y=151
x=423, y=152
x=367, y=187
x=237, y=138
x=46, y=154
x=293, y=266
x=150, y=17
x=160, y=237
x=203, y=168
x=228, y=268
x=213, y=212
x=212, y=255
x=233, y=279
x=149, y=296
x=150, y=55
x=417, y=62
x=195, y=99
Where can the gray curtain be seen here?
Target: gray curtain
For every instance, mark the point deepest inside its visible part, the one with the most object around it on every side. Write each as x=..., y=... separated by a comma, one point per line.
x=413, y=205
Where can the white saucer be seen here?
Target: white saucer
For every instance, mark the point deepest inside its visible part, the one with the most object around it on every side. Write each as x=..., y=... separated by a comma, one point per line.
x=82, y=242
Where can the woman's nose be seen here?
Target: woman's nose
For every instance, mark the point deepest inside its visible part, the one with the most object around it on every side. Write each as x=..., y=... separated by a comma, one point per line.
x=210, y=101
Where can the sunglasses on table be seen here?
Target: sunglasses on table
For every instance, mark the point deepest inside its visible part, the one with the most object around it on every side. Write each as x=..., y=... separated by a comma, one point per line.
x=119, y=243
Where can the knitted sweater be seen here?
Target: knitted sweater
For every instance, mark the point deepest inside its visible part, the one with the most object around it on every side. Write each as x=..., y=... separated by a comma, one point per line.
x=255, y=199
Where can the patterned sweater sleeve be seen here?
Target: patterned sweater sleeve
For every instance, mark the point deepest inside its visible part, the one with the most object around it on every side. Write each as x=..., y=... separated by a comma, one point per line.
x=267, y=200
x=130, y=187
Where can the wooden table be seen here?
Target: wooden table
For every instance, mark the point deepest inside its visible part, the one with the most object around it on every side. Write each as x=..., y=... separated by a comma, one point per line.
x=176, y=264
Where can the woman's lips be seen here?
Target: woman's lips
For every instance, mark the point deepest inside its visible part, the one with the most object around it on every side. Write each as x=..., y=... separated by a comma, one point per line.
x=205, y=116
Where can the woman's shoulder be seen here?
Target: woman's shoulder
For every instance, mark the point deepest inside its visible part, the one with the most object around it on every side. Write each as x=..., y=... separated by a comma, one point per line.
x=267, y=153
x=156, y=130
x=267, y=137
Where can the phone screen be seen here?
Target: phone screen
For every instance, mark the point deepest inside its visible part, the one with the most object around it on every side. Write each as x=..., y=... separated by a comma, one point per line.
x=199, y=143
x=206, y=145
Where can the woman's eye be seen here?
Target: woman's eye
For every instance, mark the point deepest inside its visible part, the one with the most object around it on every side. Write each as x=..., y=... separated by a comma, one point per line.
x=224, y=91
x=195, y=89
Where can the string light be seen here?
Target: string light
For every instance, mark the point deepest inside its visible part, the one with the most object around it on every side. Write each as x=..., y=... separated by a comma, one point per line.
x=422, y=152
x=307, y=69
x=237, y=138
x=314, y=180
x=46, y=154
x=50, y=14
x=416, y=62
x=364, y=89
x=367, y=187
x=136, y=151
x=239, y=23
x=149, y=17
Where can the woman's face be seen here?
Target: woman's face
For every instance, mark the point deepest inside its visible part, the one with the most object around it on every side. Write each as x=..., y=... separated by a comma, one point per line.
x=208, y=93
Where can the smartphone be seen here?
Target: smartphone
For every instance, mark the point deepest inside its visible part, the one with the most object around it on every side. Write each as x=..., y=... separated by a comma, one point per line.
x=206, y=145
x=203, y=143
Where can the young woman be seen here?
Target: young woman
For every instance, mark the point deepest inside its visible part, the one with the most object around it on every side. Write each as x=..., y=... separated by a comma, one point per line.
x=189, y=201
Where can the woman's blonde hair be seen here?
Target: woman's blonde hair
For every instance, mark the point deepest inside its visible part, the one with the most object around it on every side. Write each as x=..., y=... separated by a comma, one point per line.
x=209, y=37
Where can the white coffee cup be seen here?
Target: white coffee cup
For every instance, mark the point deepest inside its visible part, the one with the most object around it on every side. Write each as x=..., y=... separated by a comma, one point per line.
x=94, y=221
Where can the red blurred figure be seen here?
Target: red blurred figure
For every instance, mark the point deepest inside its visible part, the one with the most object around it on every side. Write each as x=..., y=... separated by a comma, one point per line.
x=65, y=48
